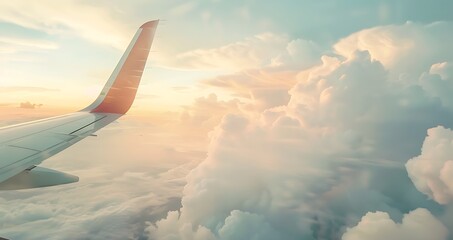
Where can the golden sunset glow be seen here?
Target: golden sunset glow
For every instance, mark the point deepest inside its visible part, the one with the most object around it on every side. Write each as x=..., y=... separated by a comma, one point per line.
x=256, y=120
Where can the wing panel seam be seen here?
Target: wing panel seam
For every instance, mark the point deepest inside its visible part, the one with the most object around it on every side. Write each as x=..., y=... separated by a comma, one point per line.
x=97, y=120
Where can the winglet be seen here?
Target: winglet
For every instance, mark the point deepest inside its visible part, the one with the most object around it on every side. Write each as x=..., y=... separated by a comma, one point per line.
x=150, y=24
x=119, y=92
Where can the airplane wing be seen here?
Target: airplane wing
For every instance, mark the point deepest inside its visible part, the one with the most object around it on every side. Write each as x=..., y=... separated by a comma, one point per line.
x=26, y=145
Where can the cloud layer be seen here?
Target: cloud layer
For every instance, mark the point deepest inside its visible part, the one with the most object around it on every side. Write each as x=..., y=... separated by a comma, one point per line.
x=316, y=149
x=334, y=152
x=119, y=191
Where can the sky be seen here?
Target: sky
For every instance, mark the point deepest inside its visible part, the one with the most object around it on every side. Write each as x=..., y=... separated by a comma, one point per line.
x=254, y=119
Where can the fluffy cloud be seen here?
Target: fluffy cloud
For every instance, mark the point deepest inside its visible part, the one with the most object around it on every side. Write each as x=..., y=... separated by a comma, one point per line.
x=418, y=224
x=238, y=226
x=319, y=163
x=169, y=229
x=262, y=50
x=260, y=88
x=405, y=50
x=432, y=171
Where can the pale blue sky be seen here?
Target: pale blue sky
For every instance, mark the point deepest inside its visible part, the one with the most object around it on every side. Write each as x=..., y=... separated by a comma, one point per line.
x=74, y=45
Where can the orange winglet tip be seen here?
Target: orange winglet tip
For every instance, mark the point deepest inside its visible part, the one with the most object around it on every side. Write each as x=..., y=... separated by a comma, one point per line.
x=150, y=24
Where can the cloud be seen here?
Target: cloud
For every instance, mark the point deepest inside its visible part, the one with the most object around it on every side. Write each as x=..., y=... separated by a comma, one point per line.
x=29, y=105
x=395, y=45
x=238, y=226
x=311, y=167
x=118, y=192
x=243, y=225
x=167, y=229
x=418, y=224
x=206, y=112
x=259, y=89
x=262, y=50
x=431, y=171
x=439, y=82
x=301, y=165
x=90, y=22
x=17, y=44
x=13, y=89
x=443, y=69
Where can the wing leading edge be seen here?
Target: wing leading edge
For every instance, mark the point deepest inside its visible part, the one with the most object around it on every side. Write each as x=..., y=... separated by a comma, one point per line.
x=26, y=145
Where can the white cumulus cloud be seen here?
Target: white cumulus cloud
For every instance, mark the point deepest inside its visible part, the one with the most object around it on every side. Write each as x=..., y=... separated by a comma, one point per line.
x=432, y=171
x=419, y=224
x=335, y=151
x=405, y=50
